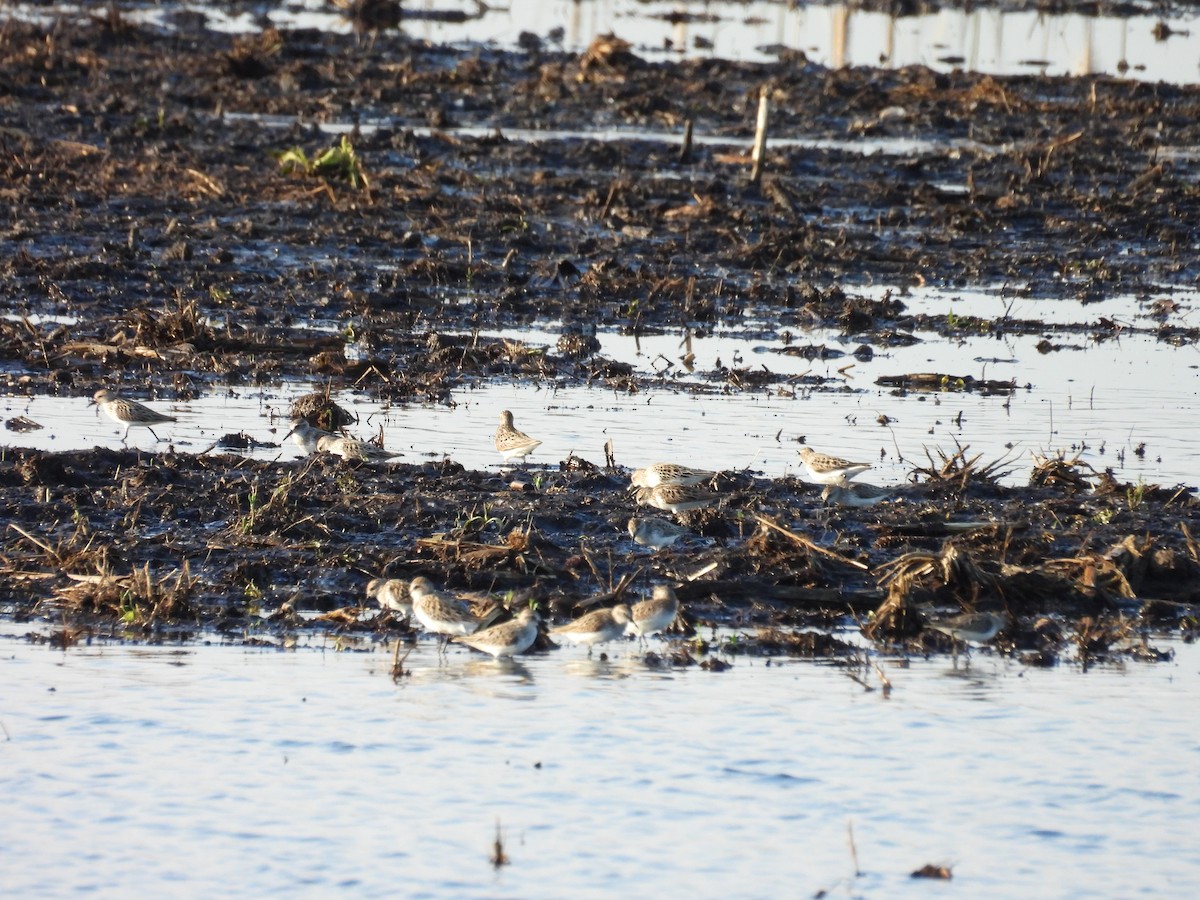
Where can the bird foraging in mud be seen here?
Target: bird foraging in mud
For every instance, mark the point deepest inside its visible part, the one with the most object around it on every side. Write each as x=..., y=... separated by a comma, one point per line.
x=442, y=613
x=971, y=627
x=312, y=440
x=676, y=498
x=649, y=617
x=507, y=638
x=598, y=627
x=669, y=473
x=129, y=413
x=654, y=532
x=855, y=493
x=353, y=449
x=825, y=469
x=512, y=443
x=391, y=594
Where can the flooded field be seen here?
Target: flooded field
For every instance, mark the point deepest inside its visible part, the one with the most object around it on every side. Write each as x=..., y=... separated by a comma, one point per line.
x=998, y=38
x=952, y=264
x=206, y=768
x=1103, y=399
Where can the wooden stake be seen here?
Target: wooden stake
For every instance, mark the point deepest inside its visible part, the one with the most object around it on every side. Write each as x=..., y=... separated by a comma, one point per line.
x=685, y=150
x=760, y=137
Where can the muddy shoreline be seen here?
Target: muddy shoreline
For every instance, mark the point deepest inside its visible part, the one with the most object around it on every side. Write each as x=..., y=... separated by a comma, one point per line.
x=156, y=219
x=156, y=242
x=172, y=546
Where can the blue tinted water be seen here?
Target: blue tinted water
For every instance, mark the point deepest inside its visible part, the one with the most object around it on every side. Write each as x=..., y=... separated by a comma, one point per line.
x=209, y=769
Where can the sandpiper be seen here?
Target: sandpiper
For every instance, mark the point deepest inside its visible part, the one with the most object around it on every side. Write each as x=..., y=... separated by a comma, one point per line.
x=597, y=627
x=855, y=493
x=353, y=449
x=129, y=413
x=676, y=498
x=507, y=638
x=311, y=439
x=669, y=473
x=391, y=594
x=441, y=613
x=971, y=628
x=830, y=469
x=512, y=443
x=656, y=614
x=654, y=532
x=306, y=436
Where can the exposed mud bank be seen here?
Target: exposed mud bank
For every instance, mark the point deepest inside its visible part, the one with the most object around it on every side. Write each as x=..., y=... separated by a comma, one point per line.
x=162, y=235
x=163, y=546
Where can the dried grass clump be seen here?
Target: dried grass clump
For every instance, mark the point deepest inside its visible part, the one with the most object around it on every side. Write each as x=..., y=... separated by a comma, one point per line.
x=1058, y=471
x=956, y=471
x=320, y=411
x=138, y=599
x=174, y=326
x=952, y=568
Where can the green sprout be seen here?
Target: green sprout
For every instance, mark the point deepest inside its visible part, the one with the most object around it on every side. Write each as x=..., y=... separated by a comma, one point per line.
x=339, y=163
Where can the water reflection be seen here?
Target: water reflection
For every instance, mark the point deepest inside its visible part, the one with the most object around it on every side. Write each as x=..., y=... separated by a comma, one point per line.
x=984, y=40
x=507, y=671
x=1083, y=390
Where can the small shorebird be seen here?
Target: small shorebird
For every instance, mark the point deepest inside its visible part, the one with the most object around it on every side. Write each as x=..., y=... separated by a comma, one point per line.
x=442, y=613
x=507, y=638
x=669, y=473
x=855, y=493
x=971, y=628
x=830, y=469
x=306, y=436
x=391, y=594
x=512, y=443
x=311, y=439
x=656, y=614
x=654, y=532
x=129, y=413
x=353, y=449
x=676, y=498
x=597, y=627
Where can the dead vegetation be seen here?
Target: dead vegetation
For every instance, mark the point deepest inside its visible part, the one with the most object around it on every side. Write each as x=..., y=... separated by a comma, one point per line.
x=137, y=598
x=170, y=248
x=955, y=472
x=143, y=542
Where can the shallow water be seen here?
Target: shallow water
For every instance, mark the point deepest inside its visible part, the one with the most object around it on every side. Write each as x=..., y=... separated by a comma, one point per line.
x=1103, y=399
x=983, y=40
x=202, y=769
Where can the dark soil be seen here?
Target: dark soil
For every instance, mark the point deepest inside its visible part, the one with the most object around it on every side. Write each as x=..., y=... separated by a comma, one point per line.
x=149, y=207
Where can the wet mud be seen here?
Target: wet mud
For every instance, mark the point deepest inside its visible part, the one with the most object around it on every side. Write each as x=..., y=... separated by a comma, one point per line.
x=169, y=546
x=178, y=222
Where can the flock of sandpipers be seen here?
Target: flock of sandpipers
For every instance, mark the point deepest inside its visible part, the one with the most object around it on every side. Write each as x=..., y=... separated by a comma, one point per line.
x=665, y=486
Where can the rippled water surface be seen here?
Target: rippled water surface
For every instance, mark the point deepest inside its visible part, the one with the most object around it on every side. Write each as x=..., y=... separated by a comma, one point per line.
x=226, y=771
